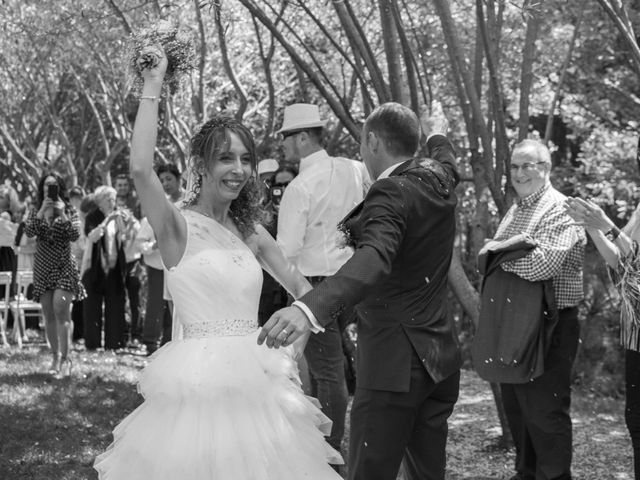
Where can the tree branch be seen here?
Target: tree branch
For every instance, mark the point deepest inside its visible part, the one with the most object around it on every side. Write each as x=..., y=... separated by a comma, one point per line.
x=343, y=115
x=118, y=13
x=199, y=106
x=563, y=73
x=526, y=73
x=227, y=64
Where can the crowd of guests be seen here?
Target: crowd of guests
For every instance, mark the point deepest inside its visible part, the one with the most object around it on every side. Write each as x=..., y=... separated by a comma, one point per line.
x=87, y=252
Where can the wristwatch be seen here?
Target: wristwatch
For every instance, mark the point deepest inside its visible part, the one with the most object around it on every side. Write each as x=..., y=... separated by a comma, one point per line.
x=613, y=233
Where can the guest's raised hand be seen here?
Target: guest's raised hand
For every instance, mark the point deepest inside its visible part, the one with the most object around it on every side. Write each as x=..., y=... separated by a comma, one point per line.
x=587, y=214
x=434, y=122
x=47, y=203
x=58, y=206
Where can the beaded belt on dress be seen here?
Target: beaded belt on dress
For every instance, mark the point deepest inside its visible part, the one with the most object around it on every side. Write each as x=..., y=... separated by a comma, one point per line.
x=219, y=328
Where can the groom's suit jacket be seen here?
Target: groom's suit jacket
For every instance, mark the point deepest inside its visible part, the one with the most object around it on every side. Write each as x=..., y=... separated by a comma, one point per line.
x=403, y=233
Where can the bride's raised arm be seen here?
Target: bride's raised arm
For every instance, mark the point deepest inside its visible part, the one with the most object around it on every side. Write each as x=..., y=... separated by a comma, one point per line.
x=168, y=225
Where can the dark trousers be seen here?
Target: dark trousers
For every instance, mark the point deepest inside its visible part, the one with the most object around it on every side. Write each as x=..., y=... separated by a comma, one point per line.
x=538, y=411
x=632, y=407
x=157, y=320
x=77, y=319
x=273, y=297
x=113, y=297
x=132, y=285
x=387, y=426
x=325, y=359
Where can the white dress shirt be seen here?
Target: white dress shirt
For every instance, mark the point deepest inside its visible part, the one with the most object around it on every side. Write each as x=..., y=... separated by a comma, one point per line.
x=315, y=325
x=147, y=244
x=387, y=172
x=324, y=191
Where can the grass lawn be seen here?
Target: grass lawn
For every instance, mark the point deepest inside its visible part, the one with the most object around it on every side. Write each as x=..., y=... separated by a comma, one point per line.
x=53, y=429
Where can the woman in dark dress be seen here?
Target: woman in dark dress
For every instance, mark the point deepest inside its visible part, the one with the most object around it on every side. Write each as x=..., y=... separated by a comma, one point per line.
x=56, y=282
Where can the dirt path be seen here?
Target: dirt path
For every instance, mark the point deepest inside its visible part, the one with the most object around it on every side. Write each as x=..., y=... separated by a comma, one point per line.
x=602, y=448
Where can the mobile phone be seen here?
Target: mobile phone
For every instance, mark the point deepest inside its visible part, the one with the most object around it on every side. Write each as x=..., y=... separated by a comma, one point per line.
x=52, y=192
x=276, y=194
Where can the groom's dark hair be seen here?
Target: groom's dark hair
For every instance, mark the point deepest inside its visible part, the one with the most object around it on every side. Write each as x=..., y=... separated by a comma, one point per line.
x=397, y=126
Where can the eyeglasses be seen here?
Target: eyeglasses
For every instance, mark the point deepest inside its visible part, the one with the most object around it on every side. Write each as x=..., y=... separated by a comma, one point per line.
x=527, y=167
x=290, y=133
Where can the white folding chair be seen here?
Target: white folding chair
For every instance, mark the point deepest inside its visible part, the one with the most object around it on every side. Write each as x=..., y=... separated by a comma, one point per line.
x=21, y=305
x=5, y=281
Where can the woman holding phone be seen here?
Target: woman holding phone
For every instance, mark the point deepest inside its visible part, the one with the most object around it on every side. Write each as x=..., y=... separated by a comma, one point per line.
x=56, y=281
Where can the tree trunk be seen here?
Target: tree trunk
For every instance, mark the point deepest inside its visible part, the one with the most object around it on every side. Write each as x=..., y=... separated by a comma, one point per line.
x=338, y=109
x=506, y=439
x=390, y=38
x=224, y=53
x=526, y=73
x=563, y=73
x=618, y=13
x=359, y=43
x=466, y=294
x=456, y=54
x=410, y=63
x=198, y=103
x=491, y=51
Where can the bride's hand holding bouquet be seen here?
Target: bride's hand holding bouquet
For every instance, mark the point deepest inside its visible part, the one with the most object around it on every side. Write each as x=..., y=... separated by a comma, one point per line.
x=152, y=64
x=160, y=49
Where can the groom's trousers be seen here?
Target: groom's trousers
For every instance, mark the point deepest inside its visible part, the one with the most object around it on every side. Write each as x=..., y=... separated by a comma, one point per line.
x=387, y=426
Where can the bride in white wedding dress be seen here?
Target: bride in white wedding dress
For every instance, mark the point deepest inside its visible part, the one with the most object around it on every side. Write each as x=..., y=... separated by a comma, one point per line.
x=216, y=405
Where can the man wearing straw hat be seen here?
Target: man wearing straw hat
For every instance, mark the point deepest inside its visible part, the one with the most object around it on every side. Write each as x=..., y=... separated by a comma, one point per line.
x=313, y=204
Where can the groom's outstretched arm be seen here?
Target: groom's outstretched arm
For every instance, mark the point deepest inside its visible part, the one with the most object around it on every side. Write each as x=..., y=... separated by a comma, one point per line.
x=384, y=217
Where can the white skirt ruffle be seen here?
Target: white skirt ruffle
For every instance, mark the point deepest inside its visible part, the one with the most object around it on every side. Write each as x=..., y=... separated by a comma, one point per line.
x=221, y=408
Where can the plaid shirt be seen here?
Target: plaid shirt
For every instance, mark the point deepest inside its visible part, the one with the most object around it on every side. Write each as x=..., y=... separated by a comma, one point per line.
x=560, y=251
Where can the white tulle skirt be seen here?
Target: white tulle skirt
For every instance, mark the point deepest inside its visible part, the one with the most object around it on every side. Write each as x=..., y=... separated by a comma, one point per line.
x=221, y=408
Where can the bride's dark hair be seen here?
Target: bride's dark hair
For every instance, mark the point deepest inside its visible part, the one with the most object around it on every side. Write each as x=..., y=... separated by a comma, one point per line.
x=207, y=144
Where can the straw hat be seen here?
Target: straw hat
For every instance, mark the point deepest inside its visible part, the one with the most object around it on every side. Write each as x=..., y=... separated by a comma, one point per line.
x=268, y=165
x=301, y=116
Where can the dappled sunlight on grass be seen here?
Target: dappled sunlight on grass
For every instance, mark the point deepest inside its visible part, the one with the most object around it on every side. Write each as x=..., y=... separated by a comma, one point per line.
x=53, y=429
x=466, y=399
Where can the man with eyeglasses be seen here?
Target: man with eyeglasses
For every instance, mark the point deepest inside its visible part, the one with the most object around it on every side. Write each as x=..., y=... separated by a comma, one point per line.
x=312, y=205
x=538, y=409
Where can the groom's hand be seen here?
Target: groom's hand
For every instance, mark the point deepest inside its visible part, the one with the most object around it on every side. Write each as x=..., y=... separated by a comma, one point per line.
x=284, y=327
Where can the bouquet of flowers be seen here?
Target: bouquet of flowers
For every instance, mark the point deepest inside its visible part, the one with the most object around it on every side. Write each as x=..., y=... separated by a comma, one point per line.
x=177, y=45
x=345, y=237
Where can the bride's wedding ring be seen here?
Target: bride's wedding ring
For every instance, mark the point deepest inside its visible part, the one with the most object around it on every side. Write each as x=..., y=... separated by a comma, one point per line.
x=286, y=334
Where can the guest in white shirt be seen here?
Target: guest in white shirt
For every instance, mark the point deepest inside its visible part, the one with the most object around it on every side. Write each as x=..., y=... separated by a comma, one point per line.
x=313, y=204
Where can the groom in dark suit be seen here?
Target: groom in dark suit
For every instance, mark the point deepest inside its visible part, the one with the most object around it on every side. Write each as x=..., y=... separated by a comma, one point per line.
x=408, y=356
